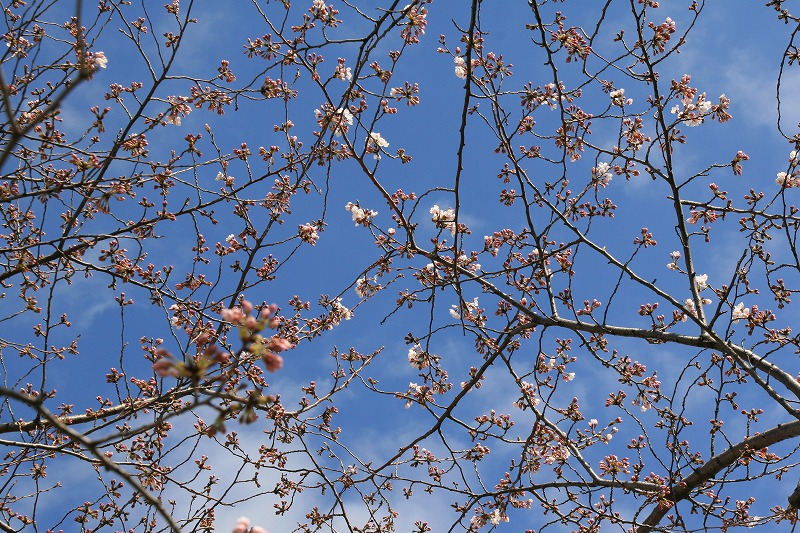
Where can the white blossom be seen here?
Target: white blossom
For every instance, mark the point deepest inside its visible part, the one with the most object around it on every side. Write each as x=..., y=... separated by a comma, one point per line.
x=460, y=68
x=360, y=216
x=701, y=281
x=740, y=312
x=375, y=143
x=496, y=517
x=100, y=60
x=601, y=174
x=618, y=98
x=445, y=219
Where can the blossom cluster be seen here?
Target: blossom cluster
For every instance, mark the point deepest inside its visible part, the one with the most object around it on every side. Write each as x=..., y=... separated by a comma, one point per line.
x=366, y=287
x=618, y=98
x=784, y=179
x=338, y=313
x=243, y=526
x=418, y=357
x=693, y=113
x=375, y=143
x=601, y=175
x=444, y=219
x=267, y=349
x=342, y=72
x=460, y=68
x=336, y=120
x=361, y=216
x=308, y=233
x=469, y=307
x=740, y=312
x=210, y=354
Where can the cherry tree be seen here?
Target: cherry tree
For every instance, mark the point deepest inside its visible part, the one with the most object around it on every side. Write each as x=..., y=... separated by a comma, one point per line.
x=385, y=266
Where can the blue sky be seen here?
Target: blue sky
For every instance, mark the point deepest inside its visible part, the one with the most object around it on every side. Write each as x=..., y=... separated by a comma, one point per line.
x=734, y=48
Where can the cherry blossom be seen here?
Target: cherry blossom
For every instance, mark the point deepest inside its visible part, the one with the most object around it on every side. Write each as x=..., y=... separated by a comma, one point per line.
x=740, y=311
x=100, y=60
x=460, y=67
x=444, y=218
x=701, y=281
x=375, y=144
x=362, y=217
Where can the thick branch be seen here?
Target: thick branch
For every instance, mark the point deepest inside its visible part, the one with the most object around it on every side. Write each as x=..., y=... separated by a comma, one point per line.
x=717, y=463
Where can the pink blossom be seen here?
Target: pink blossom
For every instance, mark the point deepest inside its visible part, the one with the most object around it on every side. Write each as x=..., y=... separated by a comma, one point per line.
x=242, y=525
x=165, y=368
x=232, y=316
x=279, y=344
x=272, y=361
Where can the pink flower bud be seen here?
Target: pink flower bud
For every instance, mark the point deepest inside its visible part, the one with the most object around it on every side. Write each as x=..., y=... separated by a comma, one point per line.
x=272, y=361
x=165, y=368
x=267, y=311
x=279, y=344
x=209, y=351
x=247, y=306
x=162, y=352
x=222, y=358
x=232, y=316
x=251, y=323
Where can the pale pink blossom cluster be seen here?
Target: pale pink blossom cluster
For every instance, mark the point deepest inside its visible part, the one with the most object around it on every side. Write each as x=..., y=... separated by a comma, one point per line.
x=553, y=365
x=243, y=526
x=227, y=180
x=428, y=275
x=558, y=454
x=338, y=313
x=361, y=216
x=460, y=68
x=375, y=143
x=342, y=72
x=308, y=233
x=445, y=219
x=690, y=307
x=417, y=357
x=100, y=60
x=418, y=393
x=701, y=281
x=233, y=245
x=481, y=519
x=674, y=256
x=601, y=175
x=693, y=113
x=179, y=109
x=337, y=120
x=618, y=98
x=366, y=287
x=267, y=349
x=740, y=312
x=469, y=307
x=792, y=180
x=529, y=396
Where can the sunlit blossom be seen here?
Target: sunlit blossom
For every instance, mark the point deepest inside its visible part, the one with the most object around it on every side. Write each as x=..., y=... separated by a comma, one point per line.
x=360, y=216
x=740, y=311
x=701, y=282
x=445, y=219
x=375, y=143
x=100, y=60
x=460, y=68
